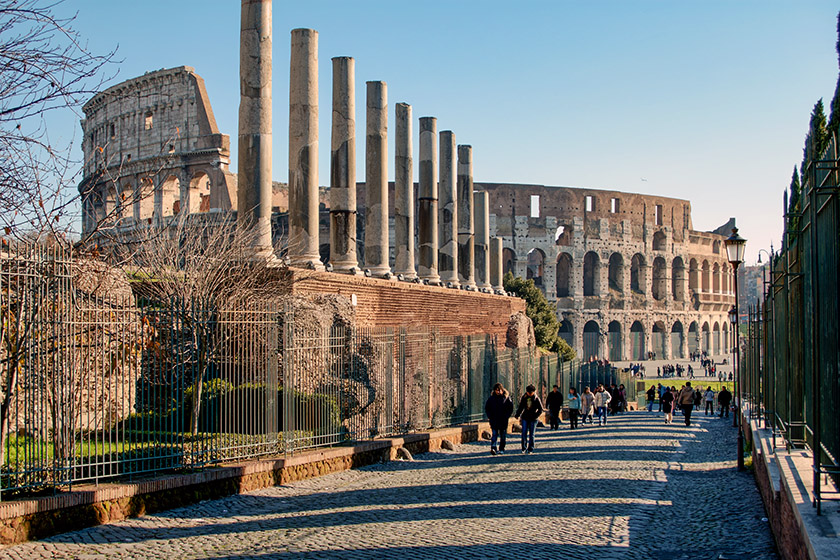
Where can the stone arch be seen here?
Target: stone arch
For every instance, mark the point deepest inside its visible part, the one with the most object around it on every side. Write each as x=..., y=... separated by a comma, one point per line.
x=591, y=274
x=564, y=275
x=567, y=332
x=660, y=241
x=509, y=261
x=693, y=275
x=677, y=336
x=637, y=341
x=716, y=278
x=637, y=274
x=660, y=279
x=536, y=265
x=146, y=199
x=716, y=247
x=705, y=277
x=678, y=279
x=614, y=338
x=693, y=337
x=716, y=338
x=111, y=207
x=198, y=193
x=591, y=340
x=616, y=274
x=126, y=200
x=659, y=340
x=170, y=196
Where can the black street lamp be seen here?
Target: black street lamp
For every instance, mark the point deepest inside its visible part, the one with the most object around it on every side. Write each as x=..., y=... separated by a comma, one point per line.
x=735, y=247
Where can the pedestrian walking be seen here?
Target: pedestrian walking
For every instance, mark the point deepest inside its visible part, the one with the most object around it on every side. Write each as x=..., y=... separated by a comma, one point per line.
x=574, y=408
x=667, y=401
x=651, y=396
x=554, y=402
x=724, y=399
x=601, y=401
x=698, y=398
x=530, y=409
x=686, y=400
x=709, y=398
x=587, y=400
x=498, y=408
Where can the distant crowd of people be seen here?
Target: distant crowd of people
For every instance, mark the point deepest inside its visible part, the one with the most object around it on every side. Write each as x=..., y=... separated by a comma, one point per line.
x=687, y=399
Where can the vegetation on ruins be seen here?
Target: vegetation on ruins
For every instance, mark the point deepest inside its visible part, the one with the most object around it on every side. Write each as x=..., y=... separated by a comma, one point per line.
x=45, y=66
x=541, y=314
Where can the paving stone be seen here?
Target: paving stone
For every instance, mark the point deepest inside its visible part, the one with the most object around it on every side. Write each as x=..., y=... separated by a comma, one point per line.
x=634, y=489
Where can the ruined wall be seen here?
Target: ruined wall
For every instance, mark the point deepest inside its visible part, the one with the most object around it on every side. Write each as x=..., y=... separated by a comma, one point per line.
x=152, y=150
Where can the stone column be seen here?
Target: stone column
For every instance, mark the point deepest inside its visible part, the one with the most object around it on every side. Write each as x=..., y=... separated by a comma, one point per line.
x=376, y=181
x=303, y=151
x=427, y=209
x=466, y=231
x=496, y=264
x=343, y=168
x=684, y=341
x=403, y=195
x=254, y=168
x=448, y=222
x=482, y=240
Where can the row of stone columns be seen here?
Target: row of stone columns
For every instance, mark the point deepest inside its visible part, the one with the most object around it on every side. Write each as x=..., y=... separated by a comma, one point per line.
x=450, y=251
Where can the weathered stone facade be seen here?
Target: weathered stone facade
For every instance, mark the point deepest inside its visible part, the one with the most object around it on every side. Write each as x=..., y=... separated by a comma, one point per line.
x=627, y=272
x=152, y=150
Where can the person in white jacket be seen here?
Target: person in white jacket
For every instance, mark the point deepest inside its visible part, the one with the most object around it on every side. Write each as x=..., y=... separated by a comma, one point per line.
x=602, y=400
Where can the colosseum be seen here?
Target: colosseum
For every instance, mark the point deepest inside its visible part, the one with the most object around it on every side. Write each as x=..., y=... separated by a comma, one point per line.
x=627, y=273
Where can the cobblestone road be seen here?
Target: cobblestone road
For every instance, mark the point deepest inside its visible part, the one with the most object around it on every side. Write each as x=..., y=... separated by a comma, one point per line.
x=634, y=489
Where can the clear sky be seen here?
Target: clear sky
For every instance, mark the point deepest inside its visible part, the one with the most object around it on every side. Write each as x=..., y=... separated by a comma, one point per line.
x=703, y=100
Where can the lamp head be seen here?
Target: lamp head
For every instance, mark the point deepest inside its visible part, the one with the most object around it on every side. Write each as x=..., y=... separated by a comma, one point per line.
x=735, y=247
x=733, y=315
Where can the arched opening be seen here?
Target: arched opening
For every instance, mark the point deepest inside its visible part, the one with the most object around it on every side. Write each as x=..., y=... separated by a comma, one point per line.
x=170, y=202
x=126, y=201
x=678, y=279
x=614, y=334
x=564, y=275
x=693, y=338
x=660, y=279
x=637, y=341
x=659, y=340
x=567, y=332
x=693, y=275
x=676, y=340
x=616, y=273
x=716, y=338
x=705, y=277
x=659, y=241
x=536, y=260
x=198, y=194
x=716, y=247
x=508, y=261
x=637, y=274
x=725, y=340
x=591, y=340
x=716, y=278
x=707, y=338
x=591, y=274
x=146, y=199
x=111, y=204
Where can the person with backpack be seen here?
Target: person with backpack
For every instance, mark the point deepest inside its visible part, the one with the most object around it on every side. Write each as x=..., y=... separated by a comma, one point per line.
x=686, y=400
x=530, y=409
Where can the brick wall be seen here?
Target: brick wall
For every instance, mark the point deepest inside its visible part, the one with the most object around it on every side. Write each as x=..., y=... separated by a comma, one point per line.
x=386, y=303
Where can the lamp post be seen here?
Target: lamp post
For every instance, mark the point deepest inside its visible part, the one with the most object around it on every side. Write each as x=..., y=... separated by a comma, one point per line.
x=735, y=247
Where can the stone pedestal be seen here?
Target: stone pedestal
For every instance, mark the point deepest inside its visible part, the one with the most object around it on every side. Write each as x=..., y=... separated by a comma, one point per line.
x=303, y=151
x=482, y=240
x=448, y=238
x=427, y=209
x=254, y=187
x=403, y=195
x=376, y=181
x=343, y=168
x=466, y=231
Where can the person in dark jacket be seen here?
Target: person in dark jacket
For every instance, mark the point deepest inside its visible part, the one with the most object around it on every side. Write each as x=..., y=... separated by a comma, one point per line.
x=554, y=402
x=530, y=409
x=724, y=398
x=498, y=408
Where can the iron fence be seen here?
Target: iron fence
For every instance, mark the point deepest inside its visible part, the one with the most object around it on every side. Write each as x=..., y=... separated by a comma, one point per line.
x=790, y=360
x=96, y=383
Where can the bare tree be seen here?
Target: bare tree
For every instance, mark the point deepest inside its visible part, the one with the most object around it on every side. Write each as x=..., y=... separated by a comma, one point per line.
x=44, y=66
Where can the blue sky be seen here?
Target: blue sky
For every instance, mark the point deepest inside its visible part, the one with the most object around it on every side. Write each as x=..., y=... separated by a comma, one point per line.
x=703, y=100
